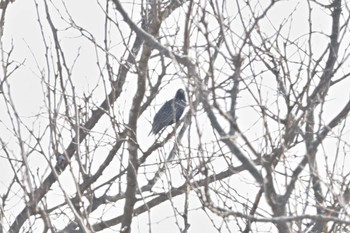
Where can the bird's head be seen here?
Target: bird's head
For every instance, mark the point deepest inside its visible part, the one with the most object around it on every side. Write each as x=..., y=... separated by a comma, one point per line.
x=180, y=95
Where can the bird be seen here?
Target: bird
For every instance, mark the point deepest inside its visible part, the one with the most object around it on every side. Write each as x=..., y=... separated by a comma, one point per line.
x=170, y=111
x=61, y=162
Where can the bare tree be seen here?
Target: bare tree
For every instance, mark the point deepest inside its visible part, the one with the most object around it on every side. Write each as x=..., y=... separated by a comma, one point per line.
x=262, y=146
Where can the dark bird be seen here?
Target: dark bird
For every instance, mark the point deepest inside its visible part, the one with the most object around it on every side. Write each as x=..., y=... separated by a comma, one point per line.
x=170, y=112
x=61, y=162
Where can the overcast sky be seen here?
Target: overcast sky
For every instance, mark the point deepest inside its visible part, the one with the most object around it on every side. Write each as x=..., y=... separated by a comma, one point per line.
x=23, y=32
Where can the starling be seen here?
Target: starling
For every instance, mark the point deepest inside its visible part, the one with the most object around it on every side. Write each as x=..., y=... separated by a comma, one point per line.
x=61, y=162
x=170, y=111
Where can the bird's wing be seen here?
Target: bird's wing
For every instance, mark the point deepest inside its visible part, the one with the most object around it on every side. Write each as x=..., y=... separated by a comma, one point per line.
x=163, y=117
x=165, y=113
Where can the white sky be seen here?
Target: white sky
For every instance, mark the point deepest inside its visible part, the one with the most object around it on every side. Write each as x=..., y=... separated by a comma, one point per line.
x=22, y=30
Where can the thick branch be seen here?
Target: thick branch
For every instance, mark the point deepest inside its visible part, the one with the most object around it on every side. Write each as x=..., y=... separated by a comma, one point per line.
x=83, y=131
x=149, y=39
